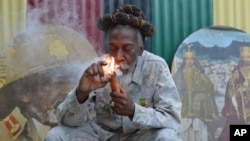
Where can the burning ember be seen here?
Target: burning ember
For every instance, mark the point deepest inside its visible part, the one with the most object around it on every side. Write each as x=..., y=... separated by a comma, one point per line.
x=112, y=69
x=109, y=69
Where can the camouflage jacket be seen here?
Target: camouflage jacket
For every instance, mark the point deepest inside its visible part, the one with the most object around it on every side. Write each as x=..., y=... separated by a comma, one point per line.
x=150, y=85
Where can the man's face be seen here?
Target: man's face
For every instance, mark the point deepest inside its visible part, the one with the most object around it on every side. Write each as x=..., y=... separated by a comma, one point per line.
x=124, y=47
x=189, y=61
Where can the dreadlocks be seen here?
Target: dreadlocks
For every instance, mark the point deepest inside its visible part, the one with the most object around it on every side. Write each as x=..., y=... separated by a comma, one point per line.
x=127, y=15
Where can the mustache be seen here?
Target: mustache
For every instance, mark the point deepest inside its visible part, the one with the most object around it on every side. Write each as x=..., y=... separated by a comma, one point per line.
x=123, y=66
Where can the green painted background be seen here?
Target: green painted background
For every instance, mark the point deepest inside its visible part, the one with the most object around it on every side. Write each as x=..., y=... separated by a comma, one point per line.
x=175, y=20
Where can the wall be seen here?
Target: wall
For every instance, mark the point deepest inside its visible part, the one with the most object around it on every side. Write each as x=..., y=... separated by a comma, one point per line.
x=232, y=13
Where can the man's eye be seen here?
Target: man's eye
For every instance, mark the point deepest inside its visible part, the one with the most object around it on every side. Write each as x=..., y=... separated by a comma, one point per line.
x=128, y=48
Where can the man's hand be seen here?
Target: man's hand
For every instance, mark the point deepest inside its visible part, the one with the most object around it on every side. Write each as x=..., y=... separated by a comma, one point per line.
x=92, y=79
x=123, y=104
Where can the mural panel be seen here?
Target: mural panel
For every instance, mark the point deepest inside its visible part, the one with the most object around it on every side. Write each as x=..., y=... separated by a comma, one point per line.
x=42, y=65
x=211, y=69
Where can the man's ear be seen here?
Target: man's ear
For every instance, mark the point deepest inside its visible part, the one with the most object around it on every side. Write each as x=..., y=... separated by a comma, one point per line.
x=141, y=49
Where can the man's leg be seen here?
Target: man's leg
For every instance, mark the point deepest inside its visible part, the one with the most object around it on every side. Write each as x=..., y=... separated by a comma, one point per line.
x=90, y=131
x=163, y=134
x=65, y=133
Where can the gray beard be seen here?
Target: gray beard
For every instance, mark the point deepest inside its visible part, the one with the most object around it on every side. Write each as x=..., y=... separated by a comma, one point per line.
x=125, y=68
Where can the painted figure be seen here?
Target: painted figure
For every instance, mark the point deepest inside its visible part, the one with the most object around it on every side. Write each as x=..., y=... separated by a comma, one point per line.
x=14, y=125
x=237, y=98
x=43, y=65
x=197, y=96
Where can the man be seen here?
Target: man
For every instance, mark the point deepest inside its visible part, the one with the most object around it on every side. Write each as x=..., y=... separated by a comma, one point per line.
x=237, y=103
x=146, y=105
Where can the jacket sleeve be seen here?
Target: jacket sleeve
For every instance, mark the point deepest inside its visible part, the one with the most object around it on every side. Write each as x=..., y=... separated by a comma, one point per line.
x=71, y=113
x=166, y=109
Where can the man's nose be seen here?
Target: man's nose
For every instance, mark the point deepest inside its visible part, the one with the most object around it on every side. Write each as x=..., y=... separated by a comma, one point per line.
x=119, y=55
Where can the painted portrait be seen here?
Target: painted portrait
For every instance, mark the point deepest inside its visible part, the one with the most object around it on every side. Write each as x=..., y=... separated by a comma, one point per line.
x=42, y=65
x=211, y=69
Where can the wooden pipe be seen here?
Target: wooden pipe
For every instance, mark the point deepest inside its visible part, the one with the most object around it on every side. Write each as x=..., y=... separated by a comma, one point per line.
x=114, y=84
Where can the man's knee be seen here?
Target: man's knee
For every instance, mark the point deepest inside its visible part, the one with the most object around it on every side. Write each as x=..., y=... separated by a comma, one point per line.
x=56, y=134
x=166, y=134
x=66, y=133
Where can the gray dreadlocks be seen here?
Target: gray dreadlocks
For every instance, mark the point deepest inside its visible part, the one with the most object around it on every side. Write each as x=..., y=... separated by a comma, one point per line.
x=127, y=15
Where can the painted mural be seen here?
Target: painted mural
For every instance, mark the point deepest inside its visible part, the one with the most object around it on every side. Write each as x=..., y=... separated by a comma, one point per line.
x=42, y=65
x=211, y=69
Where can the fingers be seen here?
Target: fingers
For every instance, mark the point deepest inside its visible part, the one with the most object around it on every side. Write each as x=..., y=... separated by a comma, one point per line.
x=121, y=106
x=96, y=69
x=115, y=94
x=103, y=63
x=117, y=105
x=119, y=98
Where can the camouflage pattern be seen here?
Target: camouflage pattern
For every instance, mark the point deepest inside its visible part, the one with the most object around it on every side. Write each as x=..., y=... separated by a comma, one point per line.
x=157, y=105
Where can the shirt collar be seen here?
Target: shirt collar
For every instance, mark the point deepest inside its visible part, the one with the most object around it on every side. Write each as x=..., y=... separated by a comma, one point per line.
x=137, y=74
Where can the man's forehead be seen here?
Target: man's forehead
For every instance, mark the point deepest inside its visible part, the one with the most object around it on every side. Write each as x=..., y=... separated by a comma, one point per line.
x=122, y=33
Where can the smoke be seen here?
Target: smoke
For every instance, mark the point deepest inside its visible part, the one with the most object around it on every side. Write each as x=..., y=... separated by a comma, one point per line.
x=45, y=57
x=56, y=12
x=80, y=15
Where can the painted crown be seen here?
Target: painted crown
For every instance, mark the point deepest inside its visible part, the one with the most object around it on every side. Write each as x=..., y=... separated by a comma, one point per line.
x=189, y=52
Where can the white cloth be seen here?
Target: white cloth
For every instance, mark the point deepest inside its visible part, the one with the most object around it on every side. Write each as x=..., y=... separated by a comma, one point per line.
x=193, y=129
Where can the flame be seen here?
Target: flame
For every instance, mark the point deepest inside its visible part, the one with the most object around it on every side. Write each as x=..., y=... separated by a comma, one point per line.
x=112, y=64
x=110, y=67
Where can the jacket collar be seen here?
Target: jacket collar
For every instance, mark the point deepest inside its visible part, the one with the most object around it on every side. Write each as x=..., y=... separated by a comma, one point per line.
x=137, y=73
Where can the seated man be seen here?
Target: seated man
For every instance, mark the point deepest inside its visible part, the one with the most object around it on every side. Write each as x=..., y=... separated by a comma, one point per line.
x=142, y=105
